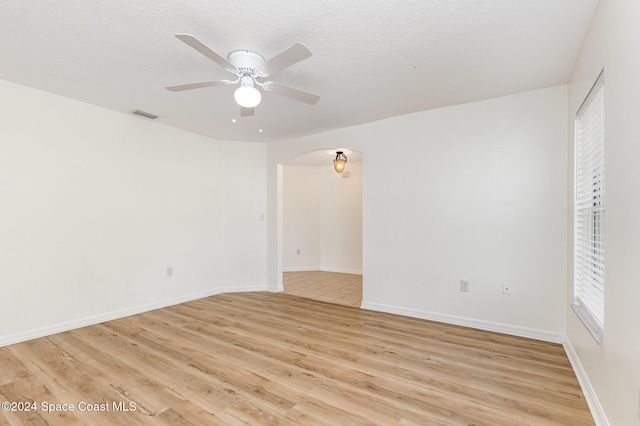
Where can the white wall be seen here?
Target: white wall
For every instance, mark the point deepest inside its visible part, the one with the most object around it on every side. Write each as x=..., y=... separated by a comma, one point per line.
x=475, y=192
x=322, y=217
x=613, y=369
x=95, y=204
x=341, y=219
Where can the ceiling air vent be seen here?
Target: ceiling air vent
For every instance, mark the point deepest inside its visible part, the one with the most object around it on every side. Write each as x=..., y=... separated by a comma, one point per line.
x=145, y=114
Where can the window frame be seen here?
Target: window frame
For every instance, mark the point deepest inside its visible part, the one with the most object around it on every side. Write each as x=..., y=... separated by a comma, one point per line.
x=589, y=211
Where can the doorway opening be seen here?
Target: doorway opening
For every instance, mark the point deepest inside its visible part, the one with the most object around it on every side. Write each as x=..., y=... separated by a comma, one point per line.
x=321, y=231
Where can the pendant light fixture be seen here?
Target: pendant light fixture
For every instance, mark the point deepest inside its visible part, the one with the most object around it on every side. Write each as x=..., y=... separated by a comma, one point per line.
x=340, y=161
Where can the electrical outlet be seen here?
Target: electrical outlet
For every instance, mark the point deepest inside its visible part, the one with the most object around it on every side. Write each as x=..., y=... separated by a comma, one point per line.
x=297, y=251
x=464, y=285
x=506, y=289
x=169, y=271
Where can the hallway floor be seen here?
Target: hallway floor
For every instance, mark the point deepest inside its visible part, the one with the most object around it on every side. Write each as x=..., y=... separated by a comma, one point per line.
x=332, y=287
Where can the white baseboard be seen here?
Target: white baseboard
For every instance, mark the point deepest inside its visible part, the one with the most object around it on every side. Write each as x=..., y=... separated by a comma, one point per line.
x=513, y=330
x=108, y=316
x=322, y=268
x=342, y=270
x=300, y=268
x=241, y=289
x=597, y=412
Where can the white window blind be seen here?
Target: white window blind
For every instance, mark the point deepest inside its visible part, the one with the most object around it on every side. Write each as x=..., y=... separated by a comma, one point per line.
x=589, y=212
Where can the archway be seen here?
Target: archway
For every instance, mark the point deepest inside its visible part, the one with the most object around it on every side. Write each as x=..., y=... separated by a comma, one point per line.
x=321, y=229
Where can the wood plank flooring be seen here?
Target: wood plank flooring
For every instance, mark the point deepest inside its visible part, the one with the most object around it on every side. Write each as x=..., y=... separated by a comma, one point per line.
x=265, y=358
x=332, y=287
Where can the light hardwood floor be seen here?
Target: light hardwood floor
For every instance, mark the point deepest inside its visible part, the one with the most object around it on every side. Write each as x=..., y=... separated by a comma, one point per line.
x=265, y=358
x=332, y=287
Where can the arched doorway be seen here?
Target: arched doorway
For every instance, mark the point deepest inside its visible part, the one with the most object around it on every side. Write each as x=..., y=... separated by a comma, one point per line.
x=322, y=227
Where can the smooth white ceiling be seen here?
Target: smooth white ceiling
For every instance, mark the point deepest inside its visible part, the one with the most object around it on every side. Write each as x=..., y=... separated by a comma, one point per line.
x=371, y=59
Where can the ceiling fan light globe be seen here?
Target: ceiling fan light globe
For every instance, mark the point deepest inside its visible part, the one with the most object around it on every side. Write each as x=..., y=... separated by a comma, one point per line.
x=247, y=97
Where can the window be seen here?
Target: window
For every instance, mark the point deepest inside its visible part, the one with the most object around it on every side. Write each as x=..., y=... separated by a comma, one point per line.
x=589, y=212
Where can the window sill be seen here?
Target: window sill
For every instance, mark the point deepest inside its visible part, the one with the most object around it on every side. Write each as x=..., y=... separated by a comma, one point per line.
x=596, y=330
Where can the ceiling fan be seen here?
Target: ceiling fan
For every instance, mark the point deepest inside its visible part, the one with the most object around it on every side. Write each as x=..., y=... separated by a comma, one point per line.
x=249, y=67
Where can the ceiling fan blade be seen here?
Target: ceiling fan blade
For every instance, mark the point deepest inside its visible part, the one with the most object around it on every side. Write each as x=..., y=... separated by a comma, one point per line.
x=284, y=59
x=247, y=112
x=200, y=85
x=202, y=48
x=293, y=93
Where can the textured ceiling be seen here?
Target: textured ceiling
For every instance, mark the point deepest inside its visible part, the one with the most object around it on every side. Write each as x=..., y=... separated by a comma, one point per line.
x=371, y=59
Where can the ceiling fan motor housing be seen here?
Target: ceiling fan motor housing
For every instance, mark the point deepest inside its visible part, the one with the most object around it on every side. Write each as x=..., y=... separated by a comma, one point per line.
x=245, y=62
